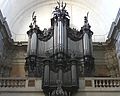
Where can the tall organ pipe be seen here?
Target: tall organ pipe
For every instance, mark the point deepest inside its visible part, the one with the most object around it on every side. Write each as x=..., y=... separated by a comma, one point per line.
x=60, y=35
x=87, y=45
x=32, y=49
x=87, y=49
x=32, y=43
x=87, y=38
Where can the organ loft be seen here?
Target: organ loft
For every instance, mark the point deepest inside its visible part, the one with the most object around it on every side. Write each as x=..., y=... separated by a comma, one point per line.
x=60, y=55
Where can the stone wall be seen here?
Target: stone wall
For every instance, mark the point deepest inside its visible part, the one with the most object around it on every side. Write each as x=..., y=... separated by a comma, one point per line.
x=5, y=48
x=18, y=59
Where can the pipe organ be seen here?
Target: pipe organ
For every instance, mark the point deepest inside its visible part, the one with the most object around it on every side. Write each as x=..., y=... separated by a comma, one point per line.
x=60, y=54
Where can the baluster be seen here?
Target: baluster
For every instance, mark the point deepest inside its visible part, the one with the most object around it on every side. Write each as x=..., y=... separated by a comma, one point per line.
x=3, y=83
x=100, y=83
x=14, y=83
x=115, y=82
x=111, y=83
x=11, y=83
x=107, y=83
x=21, y=83
x=6, y=83
x=103, y=83
x=118, y=83
x=17, y=83
x=95, y=83
x=24, y=83
x=0, y=82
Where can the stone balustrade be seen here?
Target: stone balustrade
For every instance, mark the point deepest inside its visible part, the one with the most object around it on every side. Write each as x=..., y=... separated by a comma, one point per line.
x=107, y=82
x=103, y=82
x=12, y=82
x=88, y=86
x=36, y=83
x=9, y=84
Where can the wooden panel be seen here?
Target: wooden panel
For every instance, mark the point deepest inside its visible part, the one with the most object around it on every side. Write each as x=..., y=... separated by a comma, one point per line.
x=88, y=83
x=31, y=83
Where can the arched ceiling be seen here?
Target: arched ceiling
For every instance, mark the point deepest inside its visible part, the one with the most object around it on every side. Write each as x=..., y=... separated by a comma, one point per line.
x=18, y=14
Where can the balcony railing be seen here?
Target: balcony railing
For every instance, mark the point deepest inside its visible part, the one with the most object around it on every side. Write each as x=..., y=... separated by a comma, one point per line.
x=34, y=84
x=12, y=82
x=107, y=83
x=20, y=84
x=101, y=82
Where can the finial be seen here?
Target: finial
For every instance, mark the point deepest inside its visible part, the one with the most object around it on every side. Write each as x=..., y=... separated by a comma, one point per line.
x=34, y=18
x=61, y=5
x=87, y=14
x=58, y=4
x=86, y=18
x=60, y=10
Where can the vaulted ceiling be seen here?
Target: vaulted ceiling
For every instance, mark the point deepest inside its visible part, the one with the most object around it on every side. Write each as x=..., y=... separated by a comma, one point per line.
x=18, y=14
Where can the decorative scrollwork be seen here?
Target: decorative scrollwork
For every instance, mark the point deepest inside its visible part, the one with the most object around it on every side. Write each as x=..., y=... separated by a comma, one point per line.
x=45, y=35
x=59, y=91
x=74, y=34
x=60, y=10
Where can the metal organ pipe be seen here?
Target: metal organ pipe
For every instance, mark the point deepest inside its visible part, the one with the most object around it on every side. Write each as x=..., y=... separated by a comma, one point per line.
x=74, y=72
x=86, y=44
x=32, y=42
x=91, y=46
x=28, y=46
x=32, y=49
x=46, y=73
x=87, y=49
x=60, y=35
x=33, y=45
x=87, y=38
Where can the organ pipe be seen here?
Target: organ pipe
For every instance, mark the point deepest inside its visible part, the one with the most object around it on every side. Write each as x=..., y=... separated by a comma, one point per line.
x=87, y=49
x=60, y=34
